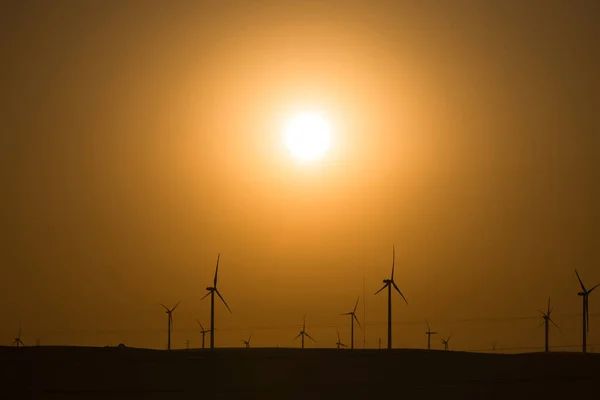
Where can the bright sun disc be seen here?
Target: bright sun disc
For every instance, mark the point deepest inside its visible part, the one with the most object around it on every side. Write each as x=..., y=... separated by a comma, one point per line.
x=307, y=136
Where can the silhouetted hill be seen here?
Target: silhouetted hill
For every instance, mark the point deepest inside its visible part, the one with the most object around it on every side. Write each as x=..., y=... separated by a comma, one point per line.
x=277, y=373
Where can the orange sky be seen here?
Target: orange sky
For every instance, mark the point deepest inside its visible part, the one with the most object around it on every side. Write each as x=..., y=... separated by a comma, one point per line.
x=139, y=139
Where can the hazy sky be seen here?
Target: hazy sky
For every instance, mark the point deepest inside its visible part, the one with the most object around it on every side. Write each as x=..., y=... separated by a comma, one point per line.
x=138, y=139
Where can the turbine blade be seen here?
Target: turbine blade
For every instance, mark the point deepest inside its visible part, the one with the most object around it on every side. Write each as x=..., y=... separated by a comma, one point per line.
x=356, y=305
x=549, y=311
x=206, y=295
x=383, y=287
x=176, y=306
x=304, y=324
x=338, y=332
x=217, y=270
x=348, y=313
x=310, y=337
x=398, y=290
x=555, y=324
x=300, y=334
x=592, y=289
x=580, y=282
x=357, y=321
x=223, y=300
x=165, y=307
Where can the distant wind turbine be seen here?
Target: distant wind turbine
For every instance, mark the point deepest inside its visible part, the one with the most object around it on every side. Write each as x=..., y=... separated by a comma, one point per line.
x=586, y=316
x=429, y=333
x=169, y=323
x=547, y=319
x=202, y=331
x=18, y=342
x=211, y=291
x=446, y=342
x=389, y=283
x=353, y=317
x=303, y=333
x=247, y=342
x=339, y=343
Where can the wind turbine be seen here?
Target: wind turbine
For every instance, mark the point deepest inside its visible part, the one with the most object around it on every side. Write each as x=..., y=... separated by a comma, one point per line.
x=211, y=291
x=202, y=331
x=547, y=319
x=389, y=283
x=446, y=342
x=586, y=322
x=303, y=333
x=429, y=333
x=18, y=342
x=339, y=342
x=169, y=323
x=247, y=342
x=353, y=317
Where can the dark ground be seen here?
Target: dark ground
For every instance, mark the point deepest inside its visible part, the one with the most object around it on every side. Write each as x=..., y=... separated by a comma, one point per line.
x=125, y=373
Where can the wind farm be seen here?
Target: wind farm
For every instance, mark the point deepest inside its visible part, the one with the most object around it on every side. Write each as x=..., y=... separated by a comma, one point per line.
x=237, y=165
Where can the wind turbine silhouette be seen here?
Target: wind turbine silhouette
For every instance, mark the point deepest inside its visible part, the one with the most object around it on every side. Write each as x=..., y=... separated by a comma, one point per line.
x=18, y=342
x=429, y=333
x=339, y=342
x=211, y=291
x=353, y=317
x=389, y=283
x=586, y=321
x=446, y=342
x=170, y=323
x=303, y=333
x=202, y=331
x=547, y=319
x=247, y=342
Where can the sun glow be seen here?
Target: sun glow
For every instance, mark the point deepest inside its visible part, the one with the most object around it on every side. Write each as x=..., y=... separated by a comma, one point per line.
x=307, y=136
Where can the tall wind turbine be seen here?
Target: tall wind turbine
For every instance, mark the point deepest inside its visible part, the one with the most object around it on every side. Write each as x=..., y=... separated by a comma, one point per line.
x=389, y=283
x=18, y=342
x=169, y=323
x=211, y=291
x=446, y=342
x=202, y=331
x=247, y=342
x=547, y=319
x=339, y=343
x=353, y=317
x=303, y=333
x=429, y=333
x=586, y=321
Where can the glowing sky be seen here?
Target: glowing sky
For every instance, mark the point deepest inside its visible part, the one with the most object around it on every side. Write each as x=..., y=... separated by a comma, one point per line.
x=139, y=139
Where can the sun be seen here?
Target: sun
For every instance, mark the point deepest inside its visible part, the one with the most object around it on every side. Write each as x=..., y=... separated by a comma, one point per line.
x=307, y=136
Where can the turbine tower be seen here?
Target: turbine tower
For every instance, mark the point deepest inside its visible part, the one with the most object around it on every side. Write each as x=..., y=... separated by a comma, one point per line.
x=353, y=317
x=202, y=331
x=339, y=343
x=18, y=342
x=211, y=291
x=547, y=319
x=446, y=343
x=429, y=333
x=303, y=333
x=169, y=323
x=586, y=322
x=389, y=283
x=247, y=342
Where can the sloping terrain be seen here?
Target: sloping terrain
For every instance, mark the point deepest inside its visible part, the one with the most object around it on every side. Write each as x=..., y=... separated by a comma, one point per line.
x=111, y=373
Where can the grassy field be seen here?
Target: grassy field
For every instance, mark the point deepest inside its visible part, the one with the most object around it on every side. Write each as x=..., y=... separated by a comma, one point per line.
x=263, y=373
